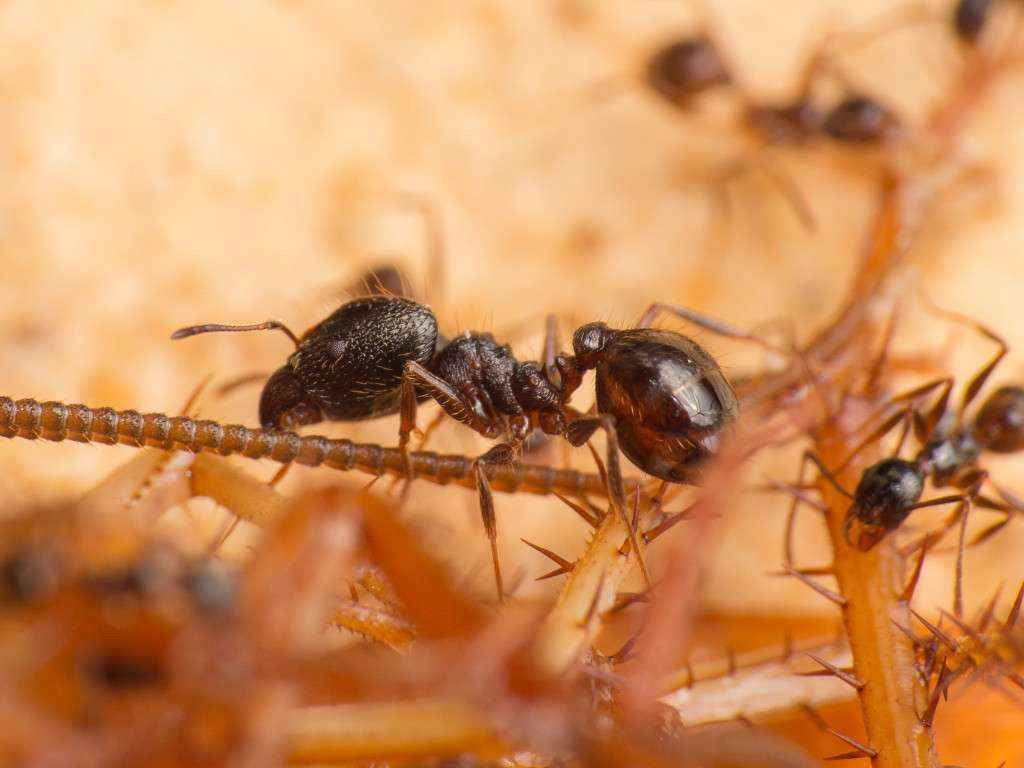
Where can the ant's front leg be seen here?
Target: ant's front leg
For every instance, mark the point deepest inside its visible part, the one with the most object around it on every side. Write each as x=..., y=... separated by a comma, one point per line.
x=418, y=378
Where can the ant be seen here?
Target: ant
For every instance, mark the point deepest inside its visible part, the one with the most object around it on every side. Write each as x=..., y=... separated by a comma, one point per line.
x=952, y=444
x=659, y=394
x=683, y=69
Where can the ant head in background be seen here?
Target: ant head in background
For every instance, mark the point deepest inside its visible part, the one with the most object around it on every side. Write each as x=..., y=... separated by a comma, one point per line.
x=685, y=68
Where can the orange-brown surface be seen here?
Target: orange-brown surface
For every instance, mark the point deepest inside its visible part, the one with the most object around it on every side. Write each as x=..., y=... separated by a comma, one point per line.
x=170, y=162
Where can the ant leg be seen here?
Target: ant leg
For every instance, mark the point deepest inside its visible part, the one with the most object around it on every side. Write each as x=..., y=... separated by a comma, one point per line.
x=582, y=430
x=433, y=232
x=785, y=185
x=812, y=457
x=503, y=453
x=468, y=412
x=237, y=382
x=923, y=426
x=434, y=424
x=704, y=321
x=486, y=497
x=979, y=379
x=904, y=417
x=552, y=345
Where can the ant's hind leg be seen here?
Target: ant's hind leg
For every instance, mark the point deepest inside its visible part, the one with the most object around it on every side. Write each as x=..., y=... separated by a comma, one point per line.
x=706, y=322
x=579, y=432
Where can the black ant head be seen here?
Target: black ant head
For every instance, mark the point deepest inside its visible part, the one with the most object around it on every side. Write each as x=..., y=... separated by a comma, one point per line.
x=686, y=68
x=860, y=120
x=999, y=425
x=284, y=403
x=884, y=495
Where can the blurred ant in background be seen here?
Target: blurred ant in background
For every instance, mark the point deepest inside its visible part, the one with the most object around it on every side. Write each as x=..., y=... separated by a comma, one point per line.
x=684, y=69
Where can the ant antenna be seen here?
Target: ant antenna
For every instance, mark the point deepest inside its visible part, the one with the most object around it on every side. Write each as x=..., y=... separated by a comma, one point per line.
x=269, y=325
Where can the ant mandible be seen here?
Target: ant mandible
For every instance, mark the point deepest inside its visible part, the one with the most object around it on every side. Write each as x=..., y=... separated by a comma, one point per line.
x=952, y=443
x=660, y=396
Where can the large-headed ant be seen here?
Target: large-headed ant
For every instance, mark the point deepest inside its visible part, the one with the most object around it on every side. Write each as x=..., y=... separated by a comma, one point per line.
x=659, y=395
x=952, y=443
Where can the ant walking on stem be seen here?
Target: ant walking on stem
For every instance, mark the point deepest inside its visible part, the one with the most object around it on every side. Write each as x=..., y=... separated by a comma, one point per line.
x=660, y=396
x=952, y=442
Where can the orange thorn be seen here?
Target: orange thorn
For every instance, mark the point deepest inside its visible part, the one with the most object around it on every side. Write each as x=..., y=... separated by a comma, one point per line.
x=863, y=748
x=855, y=755
x=846, y=676
x=1011, y=617
x=990, y=609
x=625, y=599
x=938, y=633
x=669, y=522
x=557, y=559
x=908, y=591
x=825, y=592
x=590, y=520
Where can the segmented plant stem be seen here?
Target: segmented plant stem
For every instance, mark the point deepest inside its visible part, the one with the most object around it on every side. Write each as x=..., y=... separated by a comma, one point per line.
x=34, y=420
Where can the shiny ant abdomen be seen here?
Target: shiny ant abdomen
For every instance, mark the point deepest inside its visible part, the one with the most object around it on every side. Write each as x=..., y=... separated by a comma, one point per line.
x=668, y=397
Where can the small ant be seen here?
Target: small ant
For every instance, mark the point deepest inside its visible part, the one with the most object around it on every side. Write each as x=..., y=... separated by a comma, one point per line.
x=684, y=69
x=891, y=489
x=658, y=392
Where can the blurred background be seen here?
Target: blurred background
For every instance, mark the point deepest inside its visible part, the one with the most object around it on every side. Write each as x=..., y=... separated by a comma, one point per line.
x=167, y=163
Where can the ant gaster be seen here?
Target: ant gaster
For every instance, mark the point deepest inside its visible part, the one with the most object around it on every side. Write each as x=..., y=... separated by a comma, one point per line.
x=890, y=489
x=375, y=356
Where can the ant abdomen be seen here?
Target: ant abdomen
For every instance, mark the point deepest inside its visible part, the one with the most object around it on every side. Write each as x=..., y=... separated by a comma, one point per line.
x=999, y=425
x=671, y=401
x=349, y=367
x=860, y=120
